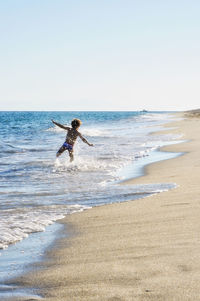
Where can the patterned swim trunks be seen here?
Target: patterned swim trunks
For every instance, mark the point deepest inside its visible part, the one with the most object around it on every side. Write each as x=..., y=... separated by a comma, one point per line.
x=68, y=146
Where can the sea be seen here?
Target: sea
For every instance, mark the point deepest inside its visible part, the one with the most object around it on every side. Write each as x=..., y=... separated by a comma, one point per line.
x=37, y=189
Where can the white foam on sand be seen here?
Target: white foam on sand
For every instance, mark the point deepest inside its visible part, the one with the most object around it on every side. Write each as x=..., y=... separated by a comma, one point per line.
x=18, y=224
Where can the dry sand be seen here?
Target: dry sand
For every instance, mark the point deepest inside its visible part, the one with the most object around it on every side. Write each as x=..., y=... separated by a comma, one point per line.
x=147, y=249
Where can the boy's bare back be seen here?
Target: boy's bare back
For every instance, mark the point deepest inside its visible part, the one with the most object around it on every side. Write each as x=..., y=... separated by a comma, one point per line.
x=72, y=135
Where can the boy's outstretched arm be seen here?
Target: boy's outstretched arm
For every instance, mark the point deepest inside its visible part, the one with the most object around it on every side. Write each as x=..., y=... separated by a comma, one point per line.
x=84, y=140
x=60, y=125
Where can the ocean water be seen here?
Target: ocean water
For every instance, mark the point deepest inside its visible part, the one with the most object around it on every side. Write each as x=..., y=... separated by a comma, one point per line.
x=36, y=188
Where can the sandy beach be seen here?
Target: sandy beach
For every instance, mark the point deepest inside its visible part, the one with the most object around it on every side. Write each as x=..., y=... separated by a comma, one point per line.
x=148, y=249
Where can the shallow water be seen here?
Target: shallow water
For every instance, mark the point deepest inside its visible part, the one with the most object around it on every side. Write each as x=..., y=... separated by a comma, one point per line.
x=36, y=189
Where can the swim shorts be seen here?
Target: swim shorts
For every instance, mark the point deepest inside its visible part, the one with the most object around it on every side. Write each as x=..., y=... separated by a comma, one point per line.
x=68, y=146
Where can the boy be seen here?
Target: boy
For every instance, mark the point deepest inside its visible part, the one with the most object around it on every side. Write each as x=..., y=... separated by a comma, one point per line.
x=72, y=134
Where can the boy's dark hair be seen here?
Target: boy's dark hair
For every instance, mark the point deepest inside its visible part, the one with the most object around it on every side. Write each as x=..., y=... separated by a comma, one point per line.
x=75, y=123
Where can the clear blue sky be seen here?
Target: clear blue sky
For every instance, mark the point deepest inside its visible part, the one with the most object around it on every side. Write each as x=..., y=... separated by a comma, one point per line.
x=99, y=54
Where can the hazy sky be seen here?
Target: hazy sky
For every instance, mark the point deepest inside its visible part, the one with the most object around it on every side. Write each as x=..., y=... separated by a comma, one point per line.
x=99, y=54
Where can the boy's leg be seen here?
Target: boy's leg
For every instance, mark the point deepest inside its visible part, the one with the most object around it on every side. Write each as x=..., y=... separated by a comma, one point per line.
x=60, y=151
x=71, y=154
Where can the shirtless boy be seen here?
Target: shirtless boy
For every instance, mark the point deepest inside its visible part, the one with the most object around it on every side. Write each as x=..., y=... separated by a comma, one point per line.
x=72, y=135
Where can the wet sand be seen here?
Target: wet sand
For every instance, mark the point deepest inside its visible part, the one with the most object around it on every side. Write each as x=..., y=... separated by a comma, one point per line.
x=148, y=249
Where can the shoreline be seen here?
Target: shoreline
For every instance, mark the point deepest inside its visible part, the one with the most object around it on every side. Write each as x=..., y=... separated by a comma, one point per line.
x=130, y=171
x=118, y=285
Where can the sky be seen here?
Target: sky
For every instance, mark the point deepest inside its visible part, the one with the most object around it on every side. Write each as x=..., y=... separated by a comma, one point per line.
x=99, y=55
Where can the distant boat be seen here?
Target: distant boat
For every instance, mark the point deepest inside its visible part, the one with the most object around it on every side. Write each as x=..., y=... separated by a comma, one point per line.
x=144, y=111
